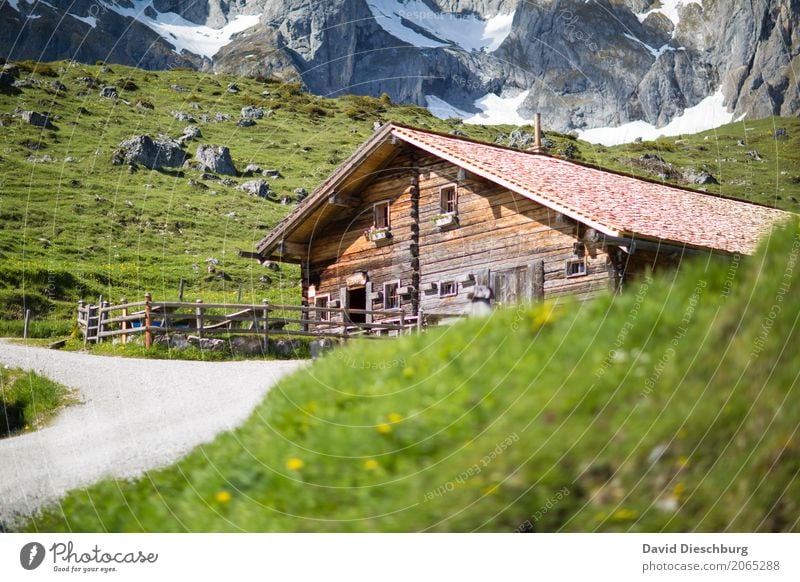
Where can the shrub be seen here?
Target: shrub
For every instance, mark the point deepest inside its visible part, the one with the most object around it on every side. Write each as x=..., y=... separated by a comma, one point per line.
x=28, y=400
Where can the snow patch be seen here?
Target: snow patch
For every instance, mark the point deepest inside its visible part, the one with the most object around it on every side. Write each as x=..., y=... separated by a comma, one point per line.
x=669, y=8
x=442, y=109
x=430, y=29
x=495, y=110
x=656, y=52
x=183, y=34
x=14, y=4
x=708, y=114
x=90, y=20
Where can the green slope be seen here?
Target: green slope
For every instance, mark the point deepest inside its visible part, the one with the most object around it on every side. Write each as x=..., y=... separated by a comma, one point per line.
x=79, y=228
x=670, y=408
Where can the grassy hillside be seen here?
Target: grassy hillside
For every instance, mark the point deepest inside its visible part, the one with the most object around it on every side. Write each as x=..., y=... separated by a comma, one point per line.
x=73, y=225
x=672, y=407
x=28, y=401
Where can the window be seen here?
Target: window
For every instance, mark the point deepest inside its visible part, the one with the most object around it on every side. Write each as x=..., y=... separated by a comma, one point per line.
x=575, y=267
x=449, y=199
x=391, y=295
x=322, y=301
x=448, y=288
x=381, y=215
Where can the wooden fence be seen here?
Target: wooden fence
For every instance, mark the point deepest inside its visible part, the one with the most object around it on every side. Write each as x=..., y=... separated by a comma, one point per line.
x=102, y=321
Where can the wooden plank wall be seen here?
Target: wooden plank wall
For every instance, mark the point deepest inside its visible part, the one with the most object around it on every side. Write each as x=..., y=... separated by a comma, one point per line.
x=498, y=230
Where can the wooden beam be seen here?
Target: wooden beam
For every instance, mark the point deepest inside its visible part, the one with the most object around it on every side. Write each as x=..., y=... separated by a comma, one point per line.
x=292, y=249
x=341, y=200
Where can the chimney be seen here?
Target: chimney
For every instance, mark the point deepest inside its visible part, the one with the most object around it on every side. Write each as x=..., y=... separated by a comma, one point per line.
x=537, y=133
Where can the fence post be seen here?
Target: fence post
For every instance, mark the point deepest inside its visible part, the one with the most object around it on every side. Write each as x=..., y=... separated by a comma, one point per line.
x=101, y=317
x=80, y=321
x=148, y=333
x=25, y=326
x=180, y=290
x=265, y=318
x=198, y=315
x=125, y=324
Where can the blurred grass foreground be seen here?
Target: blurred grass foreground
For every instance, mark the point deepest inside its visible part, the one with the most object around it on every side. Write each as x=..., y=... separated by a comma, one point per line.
x=672, y=407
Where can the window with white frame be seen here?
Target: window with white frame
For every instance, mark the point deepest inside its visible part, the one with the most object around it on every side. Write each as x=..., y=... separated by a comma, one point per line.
x=382, y=215
x=391, y=295
x=575, y=267
x=449, y=199
x=448, y=288
x=322, y=302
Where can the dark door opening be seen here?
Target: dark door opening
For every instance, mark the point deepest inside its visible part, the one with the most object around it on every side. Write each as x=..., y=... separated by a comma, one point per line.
x=357, y=299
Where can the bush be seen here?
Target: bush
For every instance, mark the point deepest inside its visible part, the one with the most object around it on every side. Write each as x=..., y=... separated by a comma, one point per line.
x=315, y=110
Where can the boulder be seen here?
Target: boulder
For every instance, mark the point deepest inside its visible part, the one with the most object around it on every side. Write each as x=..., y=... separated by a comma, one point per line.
x=258, y=188
x=10, y=69
x=211, y=344
x=190, y=133
x=319, y=347
x=221, y=116
x=150, y=153
x=252, y=170
x=58, y=86
x=216, y=159
x=6, y=80
x=272, y=174
x=37, y=119
x=300, y=194
x=245, y=123
x=233, y=88
x=701, y=177
x=286, y=348
x=173, y=341
x=181, y=116
x=108, y=92
x=251, y=112
x=247, y=345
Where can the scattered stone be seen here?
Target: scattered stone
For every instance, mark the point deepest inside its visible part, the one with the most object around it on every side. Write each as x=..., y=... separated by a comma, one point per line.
x=285, y=200
x=319, y=347
x=271, y=265
x=265, y=279
x=216, y=159
x=247, y=345
x=42, y=160
x=740, y=143
x=26, y=83
x=69, y=160
x=207, y=176
x=255, y=188
x=108, y=92
x=657, y=453
x=221, y=117
x=144, y=105
x=300, y=194
x=228, y=182
x=251, y=170
x=84, y=111
x=272, y=174
x=754, y=155
x=206, y=343
x=245, y=123
x=195, y=105
x=150, y=153
x=780, y=132
x=286, y=348
x=37, y=119
x=233, y=88
x=90, y=82
x=181, y=116
x=10, y=69
x=58, y=86
x=251, y=112
x=520, y=139
x=106, y=70
x=179, y=88
x=190, y=133
x=173, y=341
x=701, y=177
x=195, y=184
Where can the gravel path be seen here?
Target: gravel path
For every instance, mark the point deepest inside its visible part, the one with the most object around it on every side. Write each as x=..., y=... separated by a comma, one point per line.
x=135, y=415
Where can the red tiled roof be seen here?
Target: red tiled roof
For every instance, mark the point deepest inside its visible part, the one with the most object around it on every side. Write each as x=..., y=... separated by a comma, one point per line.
x=614, y=204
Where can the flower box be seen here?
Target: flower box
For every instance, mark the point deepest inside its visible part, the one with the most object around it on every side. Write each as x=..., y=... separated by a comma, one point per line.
x=445, y=220
x=377, y=234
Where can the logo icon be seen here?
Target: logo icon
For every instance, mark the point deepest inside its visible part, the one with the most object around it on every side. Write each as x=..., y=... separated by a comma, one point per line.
x=31, y=555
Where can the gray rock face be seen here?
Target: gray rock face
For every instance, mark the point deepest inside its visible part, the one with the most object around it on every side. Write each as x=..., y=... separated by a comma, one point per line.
x=216, y=159
x=585, y=64
x=150, y=153
x=251, y=112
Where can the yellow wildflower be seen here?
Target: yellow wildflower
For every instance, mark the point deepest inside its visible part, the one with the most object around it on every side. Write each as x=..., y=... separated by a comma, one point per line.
x=394, y=417
x=295, y=464
x=679, y=490
x=383, y=428
x=222, y=497
x=683, y=461
x=371, y=464
x=624, y=515
x=490, y=490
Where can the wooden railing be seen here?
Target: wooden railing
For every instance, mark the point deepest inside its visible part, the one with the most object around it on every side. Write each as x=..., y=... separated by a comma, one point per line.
x=102, y=321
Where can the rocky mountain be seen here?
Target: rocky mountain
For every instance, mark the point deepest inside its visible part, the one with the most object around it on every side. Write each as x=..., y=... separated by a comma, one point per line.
x=583, y=64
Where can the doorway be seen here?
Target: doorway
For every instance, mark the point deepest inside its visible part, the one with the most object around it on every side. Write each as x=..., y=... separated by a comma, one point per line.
x=357, y=299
